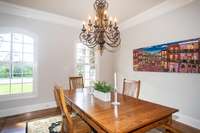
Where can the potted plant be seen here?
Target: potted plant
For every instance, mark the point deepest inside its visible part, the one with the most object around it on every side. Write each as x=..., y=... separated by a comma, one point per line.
x=102, y=91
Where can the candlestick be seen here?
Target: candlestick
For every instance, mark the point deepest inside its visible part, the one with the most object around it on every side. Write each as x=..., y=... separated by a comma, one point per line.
x=115, y=103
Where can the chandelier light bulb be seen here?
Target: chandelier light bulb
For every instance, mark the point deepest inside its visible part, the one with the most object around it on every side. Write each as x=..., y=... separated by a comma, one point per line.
x=83, y=23
x=110, y=19
x=105, y=12
x=95, y=18
x=115, y=20
x=89, y=17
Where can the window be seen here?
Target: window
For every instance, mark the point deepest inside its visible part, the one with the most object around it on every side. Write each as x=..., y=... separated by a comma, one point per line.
x=85, y=64
x=16, y=64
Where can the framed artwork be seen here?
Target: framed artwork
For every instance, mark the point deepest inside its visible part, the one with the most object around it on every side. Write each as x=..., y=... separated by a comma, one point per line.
x=179, y=57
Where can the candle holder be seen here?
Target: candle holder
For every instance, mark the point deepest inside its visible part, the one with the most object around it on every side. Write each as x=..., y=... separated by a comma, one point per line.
x=115, y=103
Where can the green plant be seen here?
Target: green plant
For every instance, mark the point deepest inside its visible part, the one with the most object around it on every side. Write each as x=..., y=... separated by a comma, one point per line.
x=102, y=87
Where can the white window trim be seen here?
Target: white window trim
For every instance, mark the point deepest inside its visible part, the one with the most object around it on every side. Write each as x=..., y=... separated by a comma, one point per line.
x=34, y=93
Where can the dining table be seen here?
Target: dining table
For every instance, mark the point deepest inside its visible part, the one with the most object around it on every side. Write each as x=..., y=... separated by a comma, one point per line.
x=131, y=116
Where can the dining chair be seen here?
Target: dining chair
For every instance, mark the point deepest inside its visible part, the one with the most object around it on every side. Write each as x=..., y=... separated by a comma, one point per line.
x=56, y=96
x=131, y=88
x=71, y=124
x=76, y=82
x=58, y=103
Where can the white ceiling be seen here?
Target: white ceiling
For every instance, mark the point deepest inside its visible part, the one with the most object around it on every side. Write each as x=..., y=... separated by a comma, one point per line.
x=80, y=9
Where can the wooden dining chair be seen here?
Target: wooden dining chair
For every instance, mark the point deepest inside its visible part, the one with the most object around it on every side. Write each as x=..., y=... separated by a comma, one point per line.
x=56, y=96
x=58, y=103
x=76, y=82
x=71, y=124
x=131, y=88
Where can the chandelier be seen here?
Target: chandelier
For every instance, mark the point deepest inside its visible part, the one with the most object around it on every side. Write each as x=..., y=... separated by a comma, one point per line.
x=102, y=32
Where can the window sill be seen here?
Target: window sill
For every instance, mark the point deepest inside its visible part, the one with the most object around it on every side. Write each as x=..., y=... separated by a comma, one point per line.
x=17, y=96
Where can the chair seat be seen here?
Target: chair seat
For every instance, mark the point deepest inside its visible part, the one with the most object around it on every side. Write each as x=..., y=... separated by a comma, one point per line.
x=80, y=126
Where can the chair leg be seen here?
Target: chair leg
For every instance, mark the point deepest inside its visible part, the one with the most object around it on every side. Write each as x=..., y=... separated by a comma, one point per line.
x=62, y=128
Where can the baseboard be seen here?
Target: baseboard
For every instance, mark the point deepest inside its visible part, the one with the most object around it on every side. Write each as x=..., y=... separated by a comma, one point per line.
x=26, y=109
x=187, y=120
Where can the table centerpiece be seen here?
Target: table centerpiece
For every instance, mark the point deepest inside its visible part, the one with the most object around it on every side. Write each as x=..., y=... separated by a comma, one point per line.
x=102, y=91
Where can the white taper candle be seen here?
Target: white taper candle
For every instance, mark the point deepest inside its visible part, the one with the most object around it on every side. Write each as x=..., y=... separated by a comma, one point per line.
x=115, y=81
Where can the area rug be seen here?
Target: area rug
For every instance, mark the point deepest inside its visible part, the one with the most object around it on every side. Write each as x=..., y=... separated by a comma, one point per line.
x=53, y=125
x=47, y=125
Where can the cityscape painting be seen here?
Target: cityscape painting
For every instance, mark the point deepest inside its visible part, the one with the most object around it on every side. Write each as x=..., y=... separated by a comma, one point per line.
x=179, y=57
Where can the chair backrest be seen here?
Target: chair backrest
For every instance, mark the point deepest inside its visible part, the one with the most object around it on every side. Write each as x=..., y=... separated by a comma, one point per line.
x=56, y=96
x=67, y=120
x=76, y=82
x=131, y=88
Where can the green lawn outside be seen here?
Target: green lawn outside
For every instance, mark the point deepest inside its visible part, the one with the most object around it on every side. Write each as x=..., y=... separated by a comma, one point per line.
x=15, y=88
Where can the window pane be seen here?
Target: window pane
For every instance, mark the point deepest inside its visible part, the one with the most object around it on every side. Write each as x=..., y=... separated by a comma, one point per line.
x=4, y=56
x=18, y=38
x=16, y=88
x=4, y=71
x=17, y=70
x=17, y=47
x=5, y=37
x=27, y=87
x=4, y=86
x=28, y=39
x=17, y=57
x=28, y=48
x=87, y=83
x=5, y=46
x=27, y=70
x=16, y=85
x=28, y=57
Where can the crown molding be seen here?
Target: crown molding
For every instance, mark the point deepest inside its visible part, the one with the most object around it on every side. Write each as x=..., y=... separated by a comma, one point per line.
x=22, y=11
x=156, y=11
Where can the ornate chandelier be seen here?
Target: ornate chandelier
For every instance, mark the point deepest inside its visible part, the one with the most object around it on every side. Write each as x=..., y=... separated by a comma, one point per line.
x=102, y=32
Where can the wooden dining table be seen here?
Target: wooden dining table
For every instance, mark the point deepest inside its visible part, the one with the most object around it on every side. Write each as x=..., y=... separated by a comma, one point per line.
x=132, y=115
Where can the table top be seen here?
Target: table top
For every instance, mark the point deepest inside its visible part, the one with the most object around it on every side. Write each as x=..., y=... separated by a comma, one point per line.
x=130, y=115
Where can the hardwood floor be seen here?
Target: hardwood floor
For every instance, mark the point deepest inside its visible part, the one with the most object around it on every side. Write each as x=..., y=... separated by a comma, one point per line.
x=17, y=124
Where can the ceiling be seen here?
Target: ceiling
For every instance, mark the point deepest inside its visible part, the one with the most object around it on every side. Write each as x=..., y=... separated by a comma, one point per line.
x=81, y=9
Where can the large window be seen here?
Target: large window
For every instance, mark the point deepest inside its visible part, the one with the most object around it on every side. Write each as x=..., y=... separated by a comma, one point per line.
x=16, y=64
x=85, y=64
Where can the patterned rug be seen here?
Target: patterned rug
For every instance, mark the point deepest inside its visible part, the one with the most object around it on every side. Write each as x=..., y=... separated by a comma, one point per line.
x=53, y=125
x=47, y=125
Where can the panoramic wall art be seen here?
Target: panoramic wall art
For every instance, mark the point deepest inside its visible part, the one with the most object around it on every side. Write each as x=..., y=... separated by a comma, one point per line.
x=179, y=57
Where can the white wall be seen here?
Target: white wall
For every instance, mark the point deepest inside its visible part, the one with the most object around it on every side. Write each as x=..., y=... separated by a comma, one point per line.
x=55, y=56
x=105, y=67
x=56, y=61
x=177, y=90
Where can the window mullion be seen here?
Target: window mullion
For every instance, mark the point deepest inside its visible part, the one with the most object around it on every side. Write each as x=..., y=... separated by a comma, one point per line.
x=11, y=58
x=22, y=84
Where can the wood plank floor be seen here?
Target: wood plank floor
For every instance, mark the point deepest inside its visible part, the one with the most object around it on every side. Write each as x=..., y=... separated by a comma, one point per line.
x=17, y=124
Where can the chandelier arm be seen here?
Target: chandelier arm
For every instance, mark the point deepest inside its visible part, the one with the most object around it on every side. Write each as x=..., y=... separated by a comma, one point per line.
x=86, y=40
x=113, y=40
x=91, y=42
x=115, y=43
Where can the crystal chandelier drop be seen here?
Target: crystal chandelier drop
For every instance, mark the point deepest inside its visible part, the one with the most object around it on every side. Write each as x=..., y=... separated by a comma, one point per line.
x=101, y=32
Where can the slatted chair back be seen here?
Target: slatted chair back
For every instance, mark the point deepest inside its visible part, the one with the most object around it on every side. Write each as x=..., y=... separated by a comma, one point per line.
x=131, y=88
x=76, y=82
x=67, y=120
